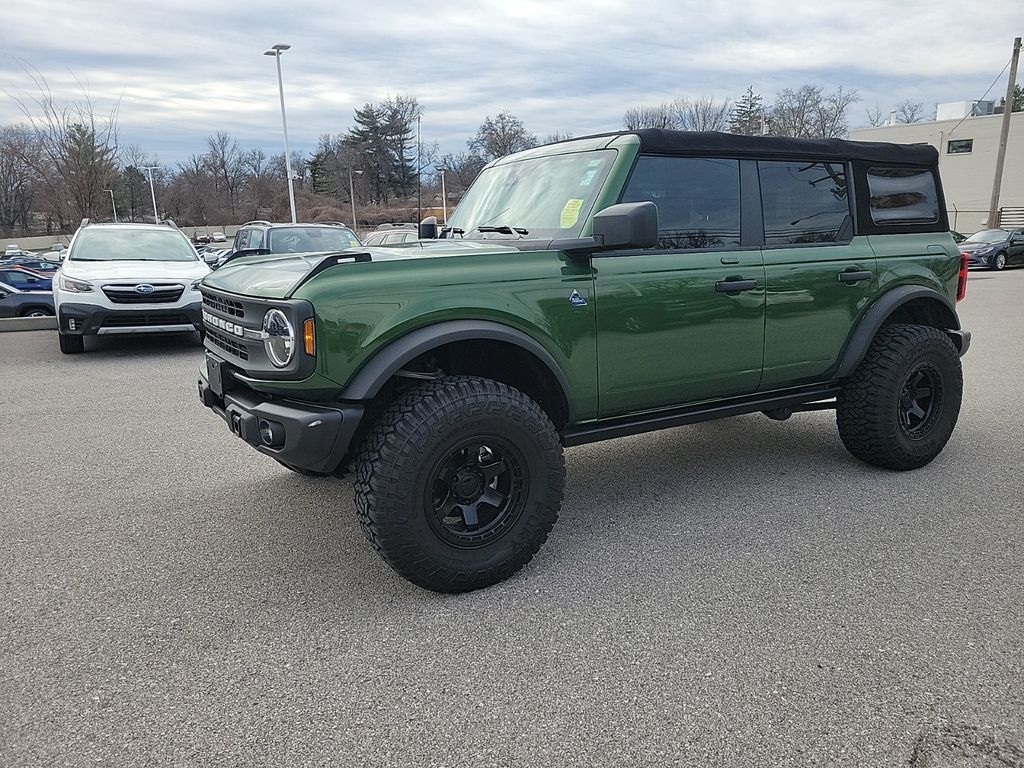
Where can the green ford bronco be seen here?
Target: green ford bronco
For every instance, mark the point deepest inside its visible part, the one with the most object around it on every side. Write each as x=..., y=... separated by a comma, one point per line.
x=585, y=290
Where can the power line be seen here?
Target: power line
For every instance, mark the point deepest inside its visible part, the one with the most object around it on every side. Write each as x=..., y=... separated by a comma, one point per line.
x=985, y=93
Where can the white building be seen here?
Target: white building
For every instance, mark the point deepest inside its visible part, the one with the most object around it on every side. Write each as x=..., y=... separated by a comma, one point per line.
x=967, y=161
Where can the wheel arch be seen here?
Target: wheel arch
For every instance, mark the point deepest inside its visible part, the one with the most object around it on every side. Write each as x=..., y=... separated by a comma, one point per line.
x=914, y=304
x=476, y=344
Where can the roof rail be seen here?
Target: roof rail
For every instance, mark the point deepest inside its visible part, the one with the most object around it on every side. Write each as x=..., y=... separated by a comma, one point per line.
x=85, y=223
x=255, y=221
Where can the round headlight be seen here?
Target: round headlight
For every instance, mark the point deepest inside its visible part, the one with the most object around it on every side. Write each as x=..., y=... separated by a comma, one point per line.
x=280, y=338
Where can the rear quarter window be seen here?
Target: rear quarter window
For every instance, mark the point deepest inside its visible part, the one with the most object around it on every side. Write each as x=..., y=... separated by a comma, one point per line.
x=899, y=195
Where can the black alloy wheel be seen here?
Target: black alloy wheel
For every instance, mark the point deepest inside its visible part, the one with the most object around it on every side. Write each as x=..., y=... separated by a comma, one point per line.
x=477, y=491
x=920, y=401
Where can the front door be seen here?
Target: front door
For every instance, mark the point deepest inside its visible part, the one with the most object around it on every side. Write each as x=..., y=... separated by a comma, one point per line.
x=682, y=322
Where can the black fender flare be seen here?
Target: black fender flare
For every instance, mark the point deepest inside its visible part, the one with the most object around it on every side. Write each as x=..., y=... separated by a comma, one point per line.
x=880, y=311
x=382, y=366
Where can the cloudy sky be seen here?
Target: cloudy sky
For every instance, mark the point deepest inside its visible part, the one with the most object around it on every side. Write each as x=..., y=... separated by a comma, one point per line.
x=184, y=69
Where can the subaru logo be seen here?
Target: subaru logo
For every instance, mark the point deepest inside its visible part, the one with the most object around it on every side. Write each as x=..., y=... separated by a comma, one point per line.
x=144, y=288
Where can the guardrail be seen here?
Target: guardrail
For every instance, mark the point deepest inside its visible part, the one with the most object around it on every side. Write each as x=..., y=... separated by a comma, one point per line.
x=28, y=324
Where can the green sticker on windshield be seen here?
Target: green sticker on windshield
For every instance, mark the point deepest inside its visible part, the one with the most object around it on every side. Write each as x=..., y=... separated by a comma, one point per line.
x=570, y=213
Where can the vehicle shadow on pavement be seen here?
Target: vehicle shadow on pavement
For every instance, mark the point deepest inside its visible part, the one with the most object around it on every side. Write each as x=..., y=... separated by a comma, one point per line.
x=108, y=347
x=660, y=481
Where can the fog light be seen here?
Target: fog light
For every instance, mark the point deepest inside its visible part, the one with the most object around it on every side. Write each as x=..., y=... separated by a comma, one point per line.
x=271, y=433
x=71, y=323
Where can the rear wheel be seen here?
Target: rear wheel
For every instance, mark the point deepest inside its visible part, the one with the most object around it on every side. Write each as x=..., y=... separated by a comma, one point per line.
x=459, y=483
x=998, y=262
x=71, y=345
x=899, y=408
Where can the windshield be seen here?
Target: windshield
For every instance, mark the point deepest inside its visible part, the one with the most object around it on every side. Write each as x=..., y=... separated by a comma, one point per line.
x=311, y=239
x=988, y=236
x=545, y=196
x=132, y=245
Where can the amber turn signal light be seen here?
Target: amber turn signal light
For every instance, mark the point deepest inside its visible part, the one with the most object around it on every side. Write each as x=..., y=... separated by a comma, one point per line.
x=308, y=339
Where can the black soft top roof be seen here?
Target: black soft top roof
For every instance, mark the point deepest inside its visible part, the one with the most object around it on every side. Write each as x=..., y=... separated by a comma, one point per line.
x=664, y=142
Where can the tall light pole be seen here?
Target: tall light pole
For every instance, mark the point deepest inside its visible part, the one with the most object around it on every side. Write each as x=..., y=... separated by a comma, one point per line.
x=112, y=203
x=444, y=195
x=149, y=172
x=276, y=50
x=352, y=195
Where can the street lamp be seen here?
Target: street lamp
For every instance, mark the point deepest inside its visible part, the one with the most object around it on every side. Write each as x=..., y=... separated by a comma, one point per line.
x=112, y=203
x=276, y=51
x=444, y=195
x=149, y=172
x=352, y=195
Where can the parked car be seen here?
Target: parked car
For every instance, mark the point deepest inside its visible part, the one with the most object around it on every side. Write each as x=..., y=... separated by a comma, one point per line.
x=127, y=278
x=218, y=237
x=262, y=237
x=15, y=303
x=994, y=248
x=391, y=237
x=33, y=263
x=957, y=236
x=25, y=279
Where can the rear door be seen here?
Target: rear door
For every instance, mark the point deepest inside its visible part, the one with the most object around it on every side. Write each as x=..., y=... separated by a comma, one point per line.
x=819, y=276
x=684, y=321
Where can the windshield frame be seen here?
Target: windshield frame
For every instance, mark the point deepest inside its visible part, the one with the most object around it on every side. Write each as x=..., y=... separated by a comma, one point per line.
x=469, y=216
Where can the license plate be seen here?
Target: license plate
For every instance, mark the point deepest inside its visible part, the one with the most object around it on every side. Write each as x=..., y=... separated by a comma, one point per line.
x=213, y=370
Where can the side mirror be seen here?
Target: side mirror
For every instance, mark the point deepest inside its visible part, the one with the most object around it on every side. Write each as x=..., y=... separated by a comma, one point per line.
x=428, y=228
x=627, y=225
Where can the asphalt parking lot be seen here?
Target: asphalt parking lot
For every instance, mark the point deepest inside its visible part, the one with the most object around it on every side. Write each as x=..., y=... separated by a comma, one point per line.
x=740, y=593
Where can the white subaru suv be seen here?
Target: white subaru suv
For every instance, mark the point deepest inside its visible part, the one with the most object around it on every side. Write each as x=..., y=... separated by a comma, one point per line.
x=127, y=278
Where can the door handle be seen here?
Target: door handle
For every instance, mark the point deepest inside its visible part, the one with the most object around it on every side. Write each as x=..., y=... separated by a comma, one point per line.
x=735, y=285
x=854, y=276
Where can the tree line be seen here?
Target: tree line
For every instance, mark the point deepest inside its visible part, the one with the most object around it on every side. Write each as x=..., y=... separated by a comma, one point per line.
x=64, y=163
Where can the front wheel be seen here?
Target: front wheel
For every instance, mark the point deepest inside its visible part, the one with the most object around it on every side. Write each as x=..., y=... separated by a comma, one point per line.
x=459, y=483
x=998, y=262
x=899, y=408
x=37, y=312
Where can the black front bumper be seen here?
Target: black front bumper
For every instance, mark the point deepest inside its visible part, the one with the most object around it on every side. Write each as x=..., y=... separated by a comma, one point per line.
x=90, y=319
x=303, y=435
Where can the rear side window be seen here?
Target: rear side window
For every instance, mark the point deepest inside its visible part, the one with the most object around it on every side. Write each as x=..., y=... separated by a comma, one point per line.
x=902, y=195
x=804, y=202
x=698, y=200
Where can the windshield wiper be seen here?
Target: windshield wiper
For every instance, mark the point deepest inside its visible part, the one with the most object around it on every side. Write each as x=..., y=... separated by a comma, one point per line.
x=504, y=229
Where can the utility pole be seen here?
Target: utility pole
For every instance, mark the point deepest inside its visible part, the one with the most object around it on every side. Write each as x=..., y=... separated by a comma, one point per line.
x=149, y=171
x=997, y=180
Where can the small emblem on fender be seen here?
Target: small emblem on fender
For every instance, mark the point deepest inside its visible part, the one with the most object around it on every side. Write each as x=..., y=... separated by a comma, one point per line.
x=576, y=299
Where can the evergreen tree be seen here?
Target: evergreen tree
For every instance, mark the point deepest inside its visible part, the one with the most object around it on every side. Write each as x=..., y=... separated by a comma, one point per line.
x=748, y=115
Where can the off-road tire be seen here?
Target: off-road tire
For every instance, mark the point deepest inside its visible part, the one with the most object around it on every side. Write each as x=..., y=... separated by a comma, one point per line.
x=996, y=263
x=401, y=455
x=869, y=407
x=70, y=345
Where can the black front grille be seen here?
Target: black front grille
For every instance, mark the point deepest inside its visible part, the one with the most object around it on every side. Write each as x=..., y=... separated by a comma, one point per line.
x=223, y=305
x=137, y=319
x=126, y=294
x=227, y=343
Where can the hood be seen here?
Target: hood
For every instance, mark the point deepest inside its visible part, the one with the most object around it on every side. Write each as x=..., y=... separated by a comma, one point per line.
x=275, y=276
x=146, y=271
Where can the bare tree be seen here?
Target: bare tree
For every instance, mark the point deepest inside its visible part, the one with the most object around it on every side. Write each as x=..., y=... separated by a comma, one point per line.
x=74, y=149
x=701, y=114
x=908, y=111
x=18, y=179
x=659, y=116
x=875, y=116
x=808, y=113
x=501, y=136
x=557, y=136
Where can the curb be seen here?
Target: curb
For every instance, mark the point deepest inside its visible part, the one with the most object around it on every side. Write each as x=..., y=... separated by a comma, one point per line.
x=28, y=324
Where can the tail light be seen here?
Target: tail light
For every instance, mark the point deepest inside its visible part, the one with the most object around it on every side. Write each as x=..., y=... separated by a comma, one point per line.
x=961, y=283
